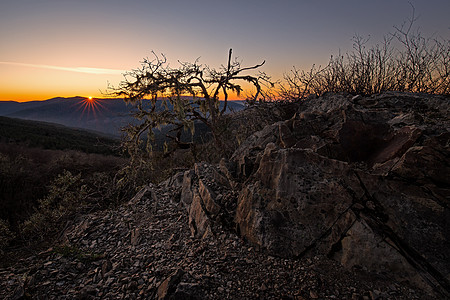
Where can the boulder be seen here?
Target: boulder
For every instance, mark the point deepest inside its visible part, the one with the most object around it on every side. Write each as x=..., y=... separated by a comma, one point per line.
x=168, y=287
x=199, y=198
x=294, y=199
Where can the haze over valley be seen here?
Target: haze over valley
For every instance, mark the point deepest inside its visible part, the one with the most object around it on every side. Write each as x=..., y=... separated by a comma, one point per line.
x=106, y=116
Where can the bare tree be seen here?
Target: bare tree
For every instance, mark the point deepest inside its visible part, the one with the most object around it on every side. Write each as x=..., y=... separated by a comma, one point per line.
x=181, y=96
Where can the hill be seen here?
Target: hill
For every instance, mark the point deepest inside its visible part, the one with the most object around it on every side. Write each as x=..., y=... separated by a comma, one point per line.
x=33, y=154
x=53, y=136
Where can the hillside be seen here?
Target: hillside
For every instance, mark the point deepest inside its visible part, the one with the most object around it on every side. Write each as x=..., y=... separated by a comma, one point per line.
x=341, y=198
x=32, y=156
x=52, y=136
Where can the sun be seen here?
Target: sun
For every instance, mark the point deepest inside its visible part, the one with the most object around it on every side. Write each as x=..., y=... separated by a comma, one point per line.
x=90, y=97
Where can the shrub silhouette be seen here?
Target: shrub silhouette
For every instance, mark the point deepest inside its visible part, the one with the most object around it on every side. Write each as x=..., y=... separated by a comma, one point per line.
x=66, y=193
x=405, y=61
x=181, y=96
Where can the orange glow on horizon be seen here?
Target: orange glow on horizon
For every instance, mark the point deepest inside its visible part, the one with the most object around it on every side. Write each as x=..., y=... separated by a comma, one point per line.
x=26, y=97
x=26, y=82
x=22, y=83
x=23, y=95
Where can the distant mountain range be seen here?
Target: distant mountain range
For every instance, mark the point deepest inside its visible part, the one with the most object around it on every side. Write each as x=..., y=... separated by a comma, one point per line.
x=105, y=116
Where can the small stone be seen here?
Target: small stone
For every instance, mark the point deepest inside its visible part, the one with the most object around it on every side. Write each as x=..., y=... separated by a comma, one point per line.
x=18, y=293
x=358, y=206
x=356, y=98
x=135, y=237
x=109, y=281
x=313, y=294
x=106, y=266
x=375, y=294
x=370, y=205
x=132, y=285
x=169, y=284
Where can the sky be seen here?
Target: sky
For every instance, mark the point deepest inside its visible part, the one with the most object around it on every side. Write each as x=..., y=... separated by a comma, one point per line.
x=52, y=48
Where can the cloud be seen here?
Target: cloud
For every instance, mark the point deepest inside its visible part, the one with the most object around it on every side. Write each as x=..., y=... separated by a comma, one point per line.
x=99, y=71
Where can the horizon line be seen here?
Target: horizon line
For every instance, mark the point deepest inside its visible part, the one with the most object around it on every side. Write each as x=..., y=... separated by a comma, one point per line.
x=86, y=97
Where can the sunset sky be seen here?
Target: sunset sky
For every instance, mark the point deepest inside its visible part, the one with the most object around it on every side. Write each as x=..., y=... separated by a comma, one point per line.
x=66, y=48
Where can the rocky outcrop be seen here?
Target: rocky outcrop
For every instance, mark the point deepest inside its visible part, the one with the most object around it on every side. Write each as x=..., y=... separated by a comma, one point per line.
x=363, y=180
x=346, y=199
x=293, y=199
x=101, y=256
x=199, y=195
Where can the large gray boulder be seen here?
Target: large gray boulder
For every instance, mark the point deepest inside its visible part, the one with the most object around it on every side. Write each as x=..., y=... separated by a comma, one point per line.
x=295, y=198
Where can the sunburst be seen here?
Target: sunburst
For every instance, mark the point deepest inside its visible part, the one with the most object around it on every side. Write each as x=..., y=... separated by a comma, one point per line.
x=90, y=105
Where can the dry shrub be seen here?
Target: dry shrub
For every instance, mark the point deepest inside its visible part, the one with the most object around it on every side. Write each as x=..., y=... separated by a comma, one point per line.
x=405, y=61
x=41, y=190
x=5, y=235
x=67, y=194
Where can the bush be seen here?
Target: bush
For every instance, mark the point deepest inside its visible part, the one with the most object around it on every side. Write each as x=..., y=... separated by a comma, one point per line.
x=405, y=61
x=25, y=175
x=180, y=99
x=67, y=195
x=5, y=235
x=181, y=96
x=41, y=190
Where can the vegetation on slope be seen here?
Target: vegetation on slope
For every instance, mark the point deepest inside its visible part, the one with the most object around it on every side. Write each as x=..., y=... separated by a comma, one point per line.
x=49, y=174
x=52, y=136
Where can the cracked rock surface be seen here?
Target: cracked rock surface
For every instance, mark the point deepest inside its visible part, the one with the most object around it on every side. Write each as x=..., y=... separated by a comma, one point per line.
x=363, y=180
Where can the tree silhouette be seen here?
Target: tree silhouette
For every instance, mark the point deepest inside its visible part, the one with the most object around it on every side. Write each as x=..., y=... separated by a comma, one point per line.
x=181, y=96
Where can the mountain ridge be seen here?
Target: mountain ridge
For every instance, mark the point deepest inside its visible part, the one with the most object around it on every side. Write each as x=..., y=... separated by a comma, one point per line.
x=106, y=115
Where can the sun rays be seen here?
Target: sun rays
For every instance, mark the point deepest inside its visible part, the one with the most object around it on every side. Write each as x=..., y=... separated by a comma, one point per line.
x=90, y=106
